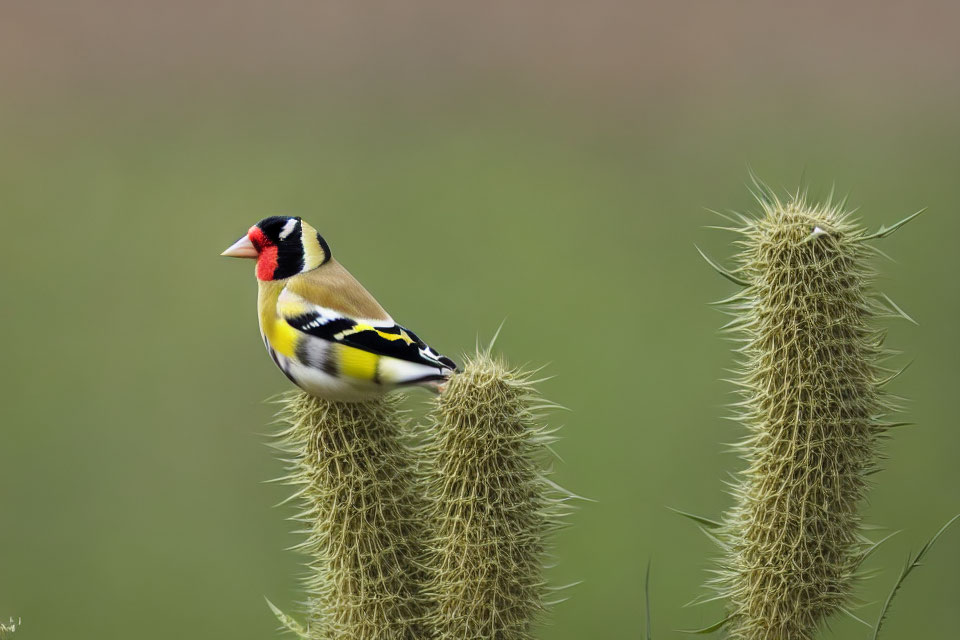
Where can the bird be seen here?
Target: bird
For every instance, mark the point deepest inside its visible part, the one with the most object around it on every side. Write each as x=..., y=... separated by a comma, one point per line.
x=321, y=327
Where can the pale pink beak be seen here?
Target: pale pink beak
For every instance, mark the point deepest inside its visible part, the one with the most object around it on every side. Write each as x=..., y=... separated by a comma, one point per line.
x=242, y=248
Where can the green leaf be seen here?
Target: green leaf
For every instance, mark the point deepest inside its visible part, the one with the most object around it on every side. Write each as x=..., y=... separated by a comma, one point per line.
x=855, y=617
x=901, y=312
x=876, y=545
x=912, y=563
x=707, y=522
x=726, y=274
x=707, y=630
x=288, y=623
x=646, y=598
x=885, y=231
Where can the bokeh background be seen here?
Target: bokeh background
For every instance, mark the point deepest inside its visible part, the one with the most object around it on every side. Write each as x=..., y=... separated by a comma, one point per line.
x=547, y=163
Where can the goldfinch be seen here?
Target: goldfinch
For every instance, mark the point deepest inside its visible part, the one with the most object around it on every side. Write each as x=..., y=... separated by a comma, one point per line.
x=321, y=327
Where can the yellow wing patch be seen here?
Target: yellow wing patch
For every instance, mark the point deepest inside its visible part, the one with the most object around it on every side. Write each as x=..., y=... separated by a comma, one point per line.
x=356, y=363
x=393, y=336
x=352, y=362
x=386, y=336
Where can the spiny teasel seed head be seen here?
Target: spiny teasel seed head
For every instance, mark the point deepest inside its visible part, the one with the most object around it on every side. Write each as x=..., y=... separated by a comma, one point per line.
x=362, y=517
x=812, y=401
x=491, y=506
x=8, y=629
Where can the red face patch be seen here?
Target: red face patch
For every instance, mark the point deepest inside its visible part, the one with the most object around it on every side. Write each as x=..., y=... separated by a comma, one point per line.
x=257, y=237
x=266, y=253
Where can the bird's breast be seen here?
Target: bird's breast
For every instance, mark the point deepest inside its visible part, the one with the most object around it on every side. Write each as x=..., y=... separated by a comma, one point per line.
x=280, y=335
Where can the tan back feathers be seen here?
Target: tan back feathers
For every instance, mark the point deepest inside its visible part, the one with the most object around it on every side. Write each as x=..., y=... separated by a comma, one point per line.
x=332, y=286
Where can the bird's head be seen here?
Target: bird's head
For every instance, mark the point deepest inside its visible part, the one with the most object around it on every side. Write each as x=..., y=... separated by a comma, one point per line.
x=283, y=246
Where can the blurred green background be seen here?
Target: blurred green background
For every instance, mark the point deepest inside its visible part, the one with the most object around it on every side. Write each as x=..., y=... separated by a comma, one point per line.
x=547, y=163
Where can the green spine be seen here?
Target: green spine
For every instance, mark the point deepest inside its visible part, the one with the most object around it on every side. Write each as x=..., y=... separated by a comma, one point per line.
x=812, y=401
x=358, y=489
x=492, y=507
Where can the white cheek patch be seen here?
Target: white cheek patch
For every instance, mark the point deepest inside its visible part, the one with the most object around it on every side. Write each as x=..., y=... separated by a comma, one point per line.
x=288, y=228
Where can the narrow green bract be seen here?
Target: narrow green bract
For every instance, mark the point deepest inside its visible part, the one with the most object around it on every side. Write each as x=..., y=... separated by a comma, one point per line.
x=812, y=403
x=491, y=506
x=363, y=518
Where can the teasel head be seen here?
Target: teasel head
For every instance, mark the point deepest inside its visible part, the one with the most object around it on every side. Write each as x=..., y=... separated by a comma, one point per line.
x=9, y=628
x=361, y=517
x=492, y=508
x=812, y=398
